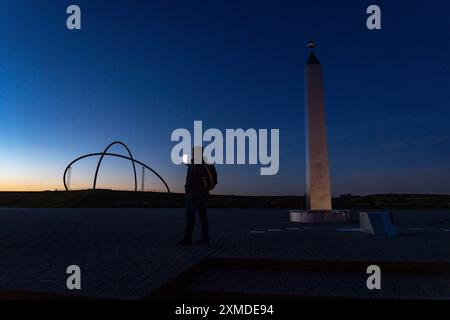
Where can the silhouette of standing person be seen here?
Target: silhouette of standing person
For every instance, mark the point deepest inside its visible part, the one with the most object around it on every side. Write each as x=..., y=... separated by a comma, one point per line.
x=200, y=179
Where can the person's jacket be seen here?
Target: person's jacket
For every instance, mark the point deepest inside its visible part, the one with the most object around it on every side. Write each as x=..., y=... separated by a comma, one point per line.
x=194, y=182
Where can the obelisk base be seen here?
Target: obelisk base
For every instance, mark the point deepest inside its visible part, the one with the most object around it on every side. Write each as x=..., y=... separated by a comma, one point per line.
x=305, y=216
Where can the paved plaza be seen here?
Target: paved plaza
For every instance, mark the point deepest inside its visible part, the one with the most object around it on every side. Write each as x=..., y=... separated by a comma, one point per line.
x=130, y=253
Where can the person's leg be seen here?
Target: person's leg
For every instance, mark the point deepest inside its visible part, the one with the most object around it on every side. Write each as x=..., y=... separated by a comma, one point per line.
x=202, y=210
x=190, y=219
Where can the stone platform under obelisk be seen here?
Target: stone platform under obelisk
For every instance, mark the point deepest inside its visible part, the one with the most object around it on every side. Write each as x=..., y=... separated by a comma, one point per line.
x=318, y=190
x=305, y=216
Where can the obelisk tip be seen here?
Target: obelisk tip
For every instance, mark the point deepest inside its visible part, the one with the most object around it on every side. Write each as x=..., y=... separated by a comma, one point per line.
x=311, y=44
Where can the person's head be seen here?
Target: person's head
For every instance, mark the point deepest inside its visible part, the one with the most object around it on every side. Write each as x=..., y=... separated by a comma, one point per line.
x=197, y=155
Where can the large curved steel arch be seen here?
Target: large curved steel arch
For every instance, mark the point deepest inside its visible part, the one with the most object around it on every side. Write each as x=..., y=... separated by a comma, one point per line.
x=102, y=154
x=101, y=159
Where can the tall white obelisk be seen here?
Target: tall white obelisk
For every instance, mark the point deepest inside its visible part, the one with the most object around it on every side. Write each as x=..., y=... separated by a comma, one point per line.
x=318, y=192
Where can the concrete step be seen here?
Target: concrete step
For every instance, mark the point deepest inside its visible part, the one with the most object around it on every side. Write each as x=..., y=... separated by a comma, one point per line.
x=226, y=278
x=330, y=265
x=228, y=283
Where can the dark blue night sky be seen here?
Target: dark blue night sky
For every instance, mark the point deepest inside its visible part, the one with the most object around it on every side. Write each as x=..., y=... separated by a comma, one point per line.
x=140, y=69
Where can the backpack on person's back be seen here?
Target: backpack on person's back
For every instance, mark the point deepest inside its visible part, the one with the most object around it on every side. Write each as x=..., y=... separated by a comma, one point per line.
x=209, y=177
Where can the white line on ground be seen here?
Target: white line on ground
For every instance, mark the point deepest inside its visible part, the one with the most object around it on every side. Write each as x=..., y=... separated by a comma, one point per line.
x=292, y=228
x=256, y=232
x=348, y=229
x=273, y=230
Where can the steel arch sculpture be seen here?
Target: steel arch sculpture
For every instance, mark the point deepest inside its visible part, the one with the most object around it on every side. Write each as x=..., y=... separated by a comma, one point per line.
x=101, y=159
x=106, y=153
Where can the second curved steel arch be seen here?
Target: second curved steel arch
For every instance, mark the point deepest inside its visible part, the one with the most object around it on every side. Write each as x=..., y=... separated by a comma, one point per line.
x=101, y=159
